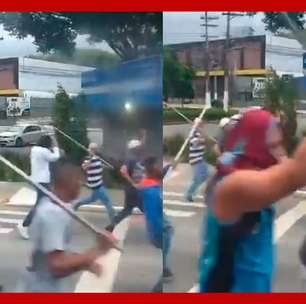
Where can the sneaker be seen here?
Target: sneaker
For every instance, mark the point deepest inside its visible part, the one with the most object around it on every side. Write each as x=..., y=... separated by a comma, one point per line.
x=23, y=232
x=167, y=275
x=189, y=199
x=110, y=228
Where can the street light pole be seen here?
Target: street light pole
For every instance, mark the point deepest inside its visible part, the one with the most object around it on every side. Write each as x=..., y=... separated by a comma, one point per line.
x=206, y=61
x=229, y=17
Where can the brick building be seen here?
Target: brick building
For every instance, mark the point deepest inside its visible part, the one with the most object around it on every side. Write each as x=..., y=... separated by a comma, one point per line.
x=249, y=59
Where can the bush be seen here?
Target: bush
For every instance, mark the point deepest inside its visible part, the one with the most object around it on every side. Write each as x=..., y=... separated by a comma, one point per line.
x=173, y=144
x=69, y=116
x=20, y=161
x=211, y=114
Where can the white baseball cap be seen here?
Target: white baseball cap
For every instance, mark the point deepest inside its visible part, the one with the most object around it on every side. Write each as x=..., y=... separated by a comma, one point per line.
x=223, y=122
x=236, y=117
x=134, y=143
x=92, y=146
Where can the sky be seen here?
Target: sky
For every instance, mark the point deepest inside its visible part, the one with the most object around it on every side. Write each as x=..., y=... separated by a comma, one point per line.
x=185, y=26
x=13, y=47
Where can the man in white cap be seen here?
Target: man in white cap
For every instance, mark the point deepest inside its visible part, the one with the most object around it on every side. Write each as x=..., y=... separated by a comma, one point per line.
x=196, y=160
x=94, y=168
x=223, y=125
x=134, y=169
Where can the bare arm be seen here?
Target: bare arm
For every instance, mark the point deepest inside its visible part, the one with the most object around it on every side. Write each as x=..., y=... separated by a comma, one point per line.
x=62, y=264
x=250, y=190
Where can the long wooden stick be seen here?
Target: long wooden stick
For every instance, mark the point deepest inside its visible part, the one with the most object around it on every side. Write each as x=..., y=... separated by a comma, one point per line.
x=83, y=147
x=184, y=145
x=54, y=199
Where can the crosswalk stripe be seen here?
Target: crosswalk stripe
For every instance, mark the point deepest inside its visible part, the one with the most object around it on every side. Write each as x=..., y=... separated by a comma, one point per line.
x=177, y=194
x=195, y=288
x=182, y=204
x=5, y=230
x=110, y=263
x=178, y=213
x=10, y=221
x=11, y=212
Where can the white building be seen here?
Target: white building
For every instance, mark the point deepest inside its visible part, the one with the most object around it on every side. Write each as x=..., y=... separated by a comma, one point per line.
x=38, y=78
x=284, y=55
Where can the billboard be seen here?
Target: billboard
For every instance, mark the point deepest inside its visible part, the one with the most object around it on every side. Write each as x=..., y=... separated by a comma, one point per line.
x=131, y=84
x=9, y=74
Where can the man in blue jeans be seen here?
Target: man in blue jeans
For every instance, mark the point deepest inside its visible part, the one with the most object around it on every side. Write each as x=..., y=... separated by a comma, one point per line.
x=196, y=160
x=94, y=168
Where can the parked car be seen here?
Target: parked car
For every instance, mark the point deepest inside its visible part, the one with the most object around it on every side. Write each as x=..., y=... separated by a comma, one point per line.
x=21, y=135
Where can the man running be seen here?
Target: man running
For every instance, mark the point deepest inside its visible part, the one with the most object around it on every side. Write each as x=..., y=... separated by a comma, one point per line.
x=52, y=261
x=159, y=228
x=134, y=169
x=196, y=160
x=94, y=169
x=41, y=156
x=238, y=257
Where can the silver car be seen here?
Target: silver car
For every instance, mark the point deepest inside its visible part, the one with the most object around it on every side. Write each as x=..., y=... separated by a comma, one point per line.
x=21, y=135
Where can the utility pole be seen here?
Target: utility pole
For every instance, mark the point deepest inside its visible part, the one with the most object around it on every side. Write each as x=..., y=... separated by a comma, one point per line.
x=229, y=17
x=206, y=25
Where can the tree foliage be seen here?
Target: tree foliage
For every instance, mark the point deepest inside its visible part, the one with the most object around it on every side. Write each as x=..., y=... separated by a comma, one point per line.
x=86, y=57
x=281, y=98
x=177, y=78
x=128, y=34
x=70, y=117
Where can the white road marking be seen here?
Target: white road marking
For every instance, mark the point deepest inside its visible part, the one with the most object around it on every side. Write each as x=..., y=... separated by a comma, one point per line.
x=183, y=204
x=11, y=212
x=178, y=213
x=10, y=221
x=25, y=196
x=285, y=221
x=109, y=262
x=5, y=230
x=282, y=224
x=177, y=194
x=195, y=288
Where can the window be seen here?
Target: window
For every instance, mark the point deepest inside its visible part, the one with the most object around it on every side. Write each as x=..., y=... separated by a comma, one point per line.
x=31, y=129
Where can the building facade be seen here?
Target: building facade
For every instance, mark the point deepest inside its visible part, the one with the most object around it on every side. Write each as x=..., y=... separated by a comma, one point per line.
x=250, y=60
x=35, y=78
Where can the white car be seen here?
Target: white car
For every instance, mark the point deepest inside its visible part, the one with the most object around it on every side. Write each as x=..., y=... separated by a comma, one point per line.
x=21, y=135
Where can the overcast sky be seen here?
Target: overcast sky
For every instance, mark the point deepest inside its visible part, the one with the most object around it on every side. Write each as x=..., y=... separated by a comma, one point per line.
x=184, y=27
x=12, y=47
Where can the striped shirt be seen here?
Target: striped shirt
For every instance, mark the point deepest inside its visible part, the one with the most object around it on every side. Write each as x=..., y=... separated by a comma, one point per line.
x=94, y=173
x=196, y=148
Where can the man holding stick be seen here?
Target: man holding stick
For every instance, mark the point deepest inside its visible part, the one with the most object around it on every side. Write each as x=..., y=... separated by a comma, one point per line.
x=52, y=261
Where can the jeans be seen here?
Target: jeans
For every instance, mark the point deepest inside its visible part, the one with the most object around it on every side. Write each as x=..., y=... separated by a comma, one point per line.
x=29, y=217
x=200, y=173
x=165, y=245
x=98, y=194
x=167, y=240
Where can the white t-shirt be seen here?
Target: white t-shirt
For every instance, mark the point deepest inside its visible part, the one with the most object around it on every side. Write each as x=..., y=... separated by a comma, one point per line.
x=40, y=159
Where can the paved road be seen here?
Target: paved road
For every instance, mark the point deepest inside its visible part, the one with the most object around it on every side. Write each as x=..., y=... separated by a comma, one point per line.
x=290, y=226
x=136, y=270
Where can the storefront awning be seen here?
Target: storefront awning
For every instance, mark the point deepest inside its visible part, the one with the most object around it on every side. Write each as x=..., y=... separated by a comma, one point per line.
x=246, y=72
x=10, y=92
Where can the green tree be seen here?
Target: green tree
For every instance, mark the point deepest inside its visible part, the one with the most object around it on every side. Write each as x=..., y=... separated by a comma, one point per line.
x=87, y=57
x=70, y=117
x=177, y=78
x=281, y=98
x=128, y=34
x=288, y=24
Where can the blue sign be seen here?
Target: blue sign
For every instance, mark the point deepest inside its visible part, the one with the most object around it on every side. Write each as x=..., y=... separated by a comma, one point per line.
x=304, y=61
x=133, y=83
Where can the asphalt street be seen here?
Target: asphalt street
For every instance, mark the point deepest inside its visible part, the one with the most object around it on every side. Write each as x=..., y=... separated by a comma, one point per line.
x=137, y=269
x=290, y=226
